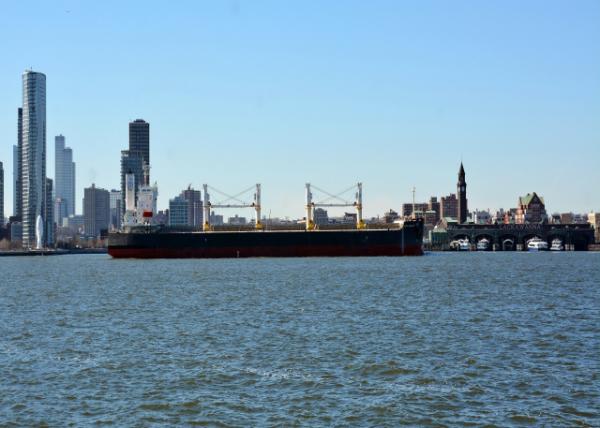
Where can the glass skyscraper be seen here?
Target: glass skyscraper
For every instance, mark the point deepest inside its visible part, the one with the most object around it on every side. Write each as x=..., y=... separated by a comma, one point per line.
x=137, y=157
x=33, y=154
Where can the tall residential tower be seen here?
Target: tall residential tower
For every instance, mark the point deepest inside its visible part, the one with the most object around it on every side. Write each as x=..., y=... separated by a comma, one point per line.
x=64, y=182
x=139, y=139
x=33, y=154
x=18, y=168
x=137, y=158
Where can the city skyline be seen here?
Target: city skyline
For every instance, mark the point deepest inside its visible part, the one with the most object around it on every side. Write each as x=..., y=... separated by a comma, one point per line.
x=325, y=103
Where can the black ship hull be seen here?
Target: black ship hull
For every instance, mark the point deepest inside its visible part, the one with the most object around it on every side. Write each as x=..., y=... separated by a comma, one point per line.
x=323, y=243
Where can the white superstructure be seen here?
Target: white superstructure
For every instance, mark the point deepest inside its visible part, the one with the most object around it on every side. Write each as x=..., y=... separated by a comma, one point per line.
x=146, y=204
x=483, y=244
x=557, y=245
x=130, y=217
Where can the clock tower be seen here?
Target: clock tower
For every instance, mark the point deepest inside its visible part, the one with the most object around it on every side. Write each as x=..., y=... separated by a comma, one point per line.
x=461, y=193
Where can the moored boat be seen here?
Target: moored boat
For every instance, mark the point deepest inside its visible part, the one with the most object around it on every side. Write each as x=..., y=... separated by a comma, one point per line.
x=537, y=244
x=483, y=244
x=557, y=245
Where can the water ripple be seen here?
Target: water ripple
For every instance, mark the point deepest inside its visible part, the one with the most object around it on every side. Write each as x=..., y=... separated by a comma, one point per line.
x=442, y=340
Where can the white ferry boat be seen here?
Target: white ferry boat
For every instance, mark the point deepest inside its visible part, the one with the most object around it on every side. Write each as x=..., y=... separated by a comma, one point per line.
x=483, y=244
x=536, y=244
x=557, y=245
x=463, y=245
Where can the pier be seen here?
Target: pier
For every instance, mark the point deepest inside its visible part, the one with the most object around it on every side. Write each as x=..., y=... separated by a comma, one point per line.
x=511, y=237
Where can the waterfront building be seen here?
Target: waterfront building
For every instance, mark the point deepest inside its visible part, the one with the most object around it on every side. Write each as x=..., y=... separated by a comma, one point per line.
x=449, y=206
x=237, y=221
x=76, y=223
x=116, y=212
x=530, y=209
x=566, y=218
x=178, y=211
x=554, y=218
x=580, y=218
x=417, y=208
x=64, y=175
x=16, y=232
x=60, y=210
x=96, y=211
x=481, y=217
x=161, y=217
x=510, y=216
x=349, y=218
x=320, y=216
x=136, y=159
x=33, y=165
x=594, y=220
x=194, y=199
x=390, y=216
x=216, y=219
x=461, y=191
x=430, y=217
x=1, y=195
x=434, y=205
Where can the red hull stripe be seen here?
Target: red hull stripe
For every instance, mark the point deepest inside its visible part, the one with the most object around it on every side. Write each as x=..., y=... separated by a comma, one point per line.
x=242, y=252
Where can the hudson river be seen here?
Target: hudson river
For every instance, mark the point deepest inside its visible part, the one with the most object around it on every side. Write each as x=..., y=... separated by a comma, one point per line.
x=442, y=340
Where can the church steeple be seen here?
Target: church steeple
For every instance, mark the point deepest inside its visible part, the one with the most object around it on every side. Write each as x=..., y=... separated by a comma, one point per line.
x=461, y=193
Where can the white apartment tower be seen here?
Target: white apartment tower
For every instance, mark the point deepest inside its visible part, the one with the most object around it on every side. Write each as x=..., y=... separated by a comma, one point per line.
x=64, y=182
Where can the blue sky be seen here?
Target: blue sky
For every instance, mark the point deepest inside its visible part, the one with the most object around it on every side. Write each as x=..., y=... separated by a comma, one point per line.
x=390, y=93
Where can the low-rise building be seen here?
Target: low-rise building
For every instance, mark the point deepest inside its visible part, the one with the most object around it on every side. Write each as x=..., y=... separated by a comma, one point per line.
x=449, y=206
x=594, y=220
x=237, y=221
x=390, y=216
x=178, y=211
x=96, y=211
x=434, y=205
x=566, y=218
x=216, y=219
x=481, y=217
x=320, y=216
x=418, y=208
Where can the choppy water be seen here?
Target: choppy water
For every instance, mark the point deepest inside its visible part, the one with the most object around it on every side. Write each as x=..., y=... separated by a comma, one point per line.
x=442, y=340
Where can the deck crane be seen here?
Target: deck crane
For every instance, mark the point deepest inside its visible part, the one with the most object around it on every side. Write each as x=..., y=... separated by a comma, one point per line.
x=310, y=205
x=207, y=205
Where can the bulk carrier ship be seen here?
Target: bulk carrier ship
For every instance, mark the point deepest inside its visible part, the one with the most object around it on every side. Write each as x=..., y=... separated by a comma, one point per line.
x=140, y=239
